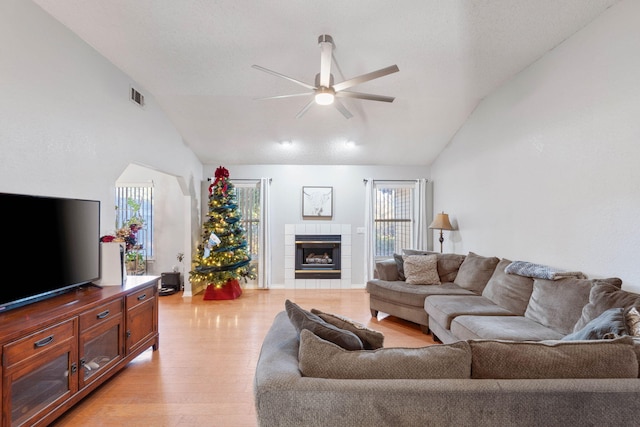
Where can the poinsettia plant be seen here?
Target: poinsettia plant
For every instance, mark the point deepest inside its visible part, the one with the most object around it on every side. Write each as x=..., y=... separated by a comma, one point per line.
x=126, y=234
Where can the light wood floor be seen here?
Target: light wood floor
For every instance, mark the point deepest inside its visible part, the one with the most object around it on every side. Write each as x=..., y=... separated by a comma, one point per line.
x=202, y=374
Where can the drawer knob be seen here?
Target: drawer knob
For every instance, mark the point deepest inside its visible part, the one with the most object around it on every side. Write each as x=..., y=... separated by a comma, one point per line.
x=141, y=297
x=43, y=342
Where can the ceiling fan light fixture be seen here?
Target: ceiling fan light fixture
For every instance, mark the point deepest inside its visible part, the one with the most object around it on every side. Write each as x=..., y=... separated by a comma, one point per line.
x=324, y=91
x=324, y=96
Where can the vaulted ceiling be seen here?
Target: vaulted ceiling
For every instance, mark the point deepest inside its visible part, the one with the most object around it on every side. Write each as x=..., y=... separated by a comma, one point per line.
x=194, y=58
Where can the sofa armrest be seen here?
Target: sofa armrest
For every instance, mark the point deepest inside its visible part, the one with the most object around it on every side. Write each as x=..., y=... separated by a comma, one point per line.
x=386, y=269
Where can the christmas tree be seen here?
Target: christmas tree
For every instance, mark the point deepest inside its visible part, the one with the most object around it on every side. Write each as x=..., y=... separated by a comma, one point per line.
x=222, y=257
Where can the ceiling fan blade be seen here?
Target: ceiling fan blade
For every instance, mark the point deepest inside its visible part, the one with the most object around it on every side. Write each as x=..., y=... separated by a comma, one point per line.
x=266, y=70
x=360, y=95
x=365, y=78
x=340, y=107
x=305, y=108
x=326, y=48
x=283, y=96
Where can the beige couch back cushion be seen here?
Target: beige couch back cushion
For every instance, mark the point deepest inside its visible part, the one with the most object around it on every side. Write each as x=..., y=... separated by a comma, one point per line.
x=605, y=294
x=509, y=291
x=475, y=271
x=554, y=359
x=322, y=359
x=558, y=304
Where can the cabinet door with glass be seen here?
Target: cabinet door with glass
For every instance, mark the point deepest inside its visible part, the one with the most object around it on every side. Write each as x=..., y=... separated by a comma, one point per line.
x=101, y=340
x=40, y=373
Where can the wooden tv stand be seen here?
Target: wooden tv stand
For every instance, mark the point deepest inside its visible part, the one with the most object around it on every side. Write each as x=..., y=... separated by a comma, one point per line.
x=56, y=351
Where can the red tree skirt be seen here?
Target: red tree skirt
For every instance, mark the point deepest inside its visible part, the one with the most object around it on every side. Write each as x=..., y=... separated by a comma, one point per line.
x=230, y=290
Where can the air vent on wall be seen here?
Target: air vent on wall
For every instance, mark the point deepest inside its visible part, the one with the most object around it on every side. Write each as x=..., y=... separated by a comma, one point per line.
x=137, y=97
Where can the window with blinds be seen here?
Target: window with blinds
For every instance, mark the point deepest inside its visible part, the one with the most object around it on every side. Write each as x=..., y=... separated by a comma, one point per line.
x=393, y=217
x=136, y=201
x=248, y=197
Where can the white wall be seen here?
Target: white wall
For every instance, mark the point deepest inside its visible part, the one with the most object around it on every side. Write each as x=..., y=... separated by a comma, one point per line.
x=546, y=169
x=286, y=201
x=67, y=127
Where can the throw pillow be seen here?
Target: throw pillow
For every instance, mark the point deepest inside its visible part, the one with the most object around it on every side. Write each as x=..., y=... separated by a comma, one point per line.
x=509, y=291
x=558, y=304
x=475, y=271
x=302, y=319
x=608, y=325
x=387, y=270
x=371, y=339
x=400, y=266
x=448, y=266
x=632, y=319
x=553, y=359
x=322, y=359
x=605, y=294
x=421, y=269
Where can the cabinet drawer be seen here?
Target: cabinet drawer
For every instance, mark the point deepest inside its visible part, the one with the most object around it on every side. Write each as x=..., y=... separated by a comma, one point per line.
x=140, y=297
x=100, y=314
x=38, y=342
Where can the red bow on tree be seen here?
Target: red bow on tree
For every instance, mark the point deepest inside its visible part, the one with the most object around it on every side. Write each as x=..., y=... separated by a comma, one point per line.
x=221, y=175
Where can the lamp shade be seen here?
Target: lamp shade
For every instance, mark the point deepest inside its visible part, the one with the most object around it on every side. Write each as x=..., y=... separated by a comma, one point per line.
x=441, y=222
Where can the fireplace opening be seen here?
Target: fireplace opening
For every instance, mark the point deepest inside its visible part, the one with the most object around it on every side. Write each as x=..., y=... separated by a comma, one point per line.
x=317, y=256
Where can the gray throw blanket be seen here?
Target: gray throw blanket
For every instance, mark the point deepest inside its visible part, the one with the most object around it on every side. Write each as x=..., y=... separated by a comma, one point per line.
x=538, y=271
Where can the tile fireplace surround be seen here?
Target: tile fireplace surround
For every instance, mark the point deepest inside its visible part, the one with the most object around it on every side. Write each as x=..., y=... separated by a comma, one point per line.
x=290, y=232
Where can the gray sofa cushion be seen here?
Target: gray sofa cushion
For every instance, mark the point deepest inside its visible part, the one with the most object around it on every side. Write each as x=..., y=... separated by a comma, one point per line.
x=448, y=266
x=475, y=271
x=303, y=319
x=397, y=258
x=509, y=290
x=516, y=328
x=444, y=308
x=605, y=294
x=371, y=339
x=322, y=359
x=554, y=359
x=558, y=303
x=412, y=295
x=609, y=324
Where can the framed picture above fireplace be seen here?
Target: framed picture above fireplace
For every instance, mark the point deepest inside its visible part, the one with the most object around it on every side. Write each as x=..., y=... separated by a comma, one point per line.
x=317, y=202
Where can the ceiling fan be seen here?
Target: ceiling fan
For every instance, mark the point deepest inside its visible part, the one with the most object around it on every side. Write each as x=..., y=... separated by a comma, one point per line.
x=325, y=91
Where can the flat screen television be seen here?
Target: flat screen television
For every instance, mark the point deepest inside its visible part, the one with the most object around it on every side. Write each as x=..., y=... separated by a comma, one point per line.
x=52, y=245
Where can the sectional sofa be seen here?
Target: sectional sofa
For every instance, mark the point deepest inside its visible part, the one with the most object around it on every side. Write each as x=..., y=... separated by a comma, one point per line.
x=481, y=300
x=304, y=380
x=556, y=349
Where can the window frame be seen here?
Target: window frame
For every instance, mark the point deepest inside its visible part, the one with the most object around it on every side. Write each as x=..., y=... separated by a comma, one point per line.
x=142, y=193
x=406, y=219
x=251, y=225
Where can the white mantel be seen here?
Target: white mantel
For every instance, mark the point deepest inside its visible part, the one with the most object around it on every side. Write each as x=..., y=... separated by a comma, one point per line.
x=290, y=232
